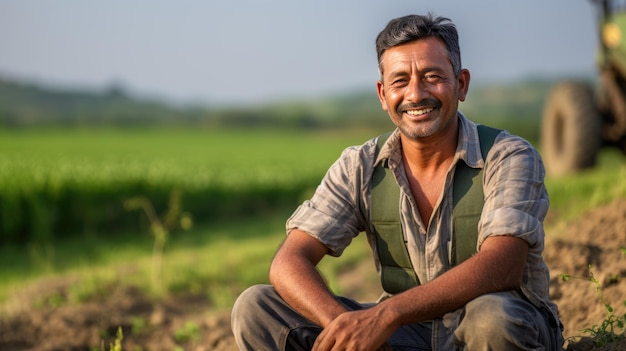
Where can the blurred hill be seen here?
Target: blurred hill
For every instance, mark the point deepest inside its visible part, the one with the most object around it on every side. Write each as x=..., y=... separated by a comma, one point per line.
x=513, y=106
x=29, y=105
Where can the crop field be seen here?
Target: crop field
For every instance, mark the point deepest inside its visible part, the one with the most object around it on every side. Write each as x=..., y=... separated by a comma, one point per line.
x=63, y=192
x=194, y=158
x=60, y=182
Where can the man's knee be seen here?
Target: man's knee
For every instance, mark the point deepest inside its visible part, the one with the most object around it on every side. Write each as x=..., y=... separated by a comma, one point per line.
x=500, y=321
x=262, y=320
x=247, y=319
x=248, y=305
x=494, y=313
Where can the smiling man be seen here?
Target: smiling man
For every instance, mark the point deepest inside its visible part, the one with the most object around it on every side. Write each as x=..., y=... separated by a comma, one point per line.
x=459, y=271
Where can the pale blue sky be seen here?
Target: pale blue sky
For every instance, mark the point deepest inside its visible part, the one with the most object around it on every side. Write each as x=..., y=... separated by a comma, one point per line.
x=229, y=51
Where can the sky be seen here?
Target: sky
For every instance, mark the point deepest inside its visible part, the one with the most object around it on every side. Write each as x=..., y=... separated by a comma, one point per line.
x=242, y=52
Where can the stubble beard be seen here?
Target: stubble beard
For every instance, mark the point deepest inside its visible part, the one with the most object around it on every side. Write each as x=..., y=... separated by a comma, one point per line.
x=423, y=129
x=420, y=129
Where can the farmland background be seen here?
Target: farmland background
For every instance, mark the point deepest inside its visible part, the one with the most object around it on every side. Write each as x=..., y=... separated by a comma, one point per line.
x=71, y=160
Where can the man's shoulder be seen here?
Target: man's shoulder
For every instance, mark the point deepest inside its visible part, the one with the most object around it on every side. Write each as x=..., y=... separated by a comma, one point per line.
x=363, y=153
x=503, y=139
x=507, y=141
x=355, y=161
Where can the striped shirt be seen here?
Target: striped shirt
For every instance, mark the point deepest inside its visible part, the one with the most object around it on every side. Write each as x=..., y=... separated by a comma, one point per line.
x=516, y=203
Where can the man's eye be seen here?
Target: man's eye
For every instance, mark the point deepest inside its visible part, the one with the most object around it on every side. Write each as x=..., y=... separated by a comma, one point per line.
x=433, y=77
x=398, y=82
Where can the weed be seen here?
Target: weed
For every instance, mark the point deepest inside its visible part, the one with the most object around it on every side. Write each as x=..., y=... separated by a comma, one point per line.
x=117, y=344
x=613, y=327
x=190, y=331
x=138, y=325
x=161, y=228
x=54, y=300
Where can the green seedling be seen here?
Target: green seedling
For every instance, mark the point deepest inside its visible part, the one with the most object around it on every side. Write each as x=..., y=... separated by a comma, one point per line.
x=161, y=228
x=613, y=327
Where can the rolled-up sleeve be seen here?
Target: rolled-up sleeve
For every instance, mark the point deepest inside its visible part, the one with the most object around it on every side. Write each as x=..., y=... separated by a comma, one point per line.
x=516, y=200
x=332, y=214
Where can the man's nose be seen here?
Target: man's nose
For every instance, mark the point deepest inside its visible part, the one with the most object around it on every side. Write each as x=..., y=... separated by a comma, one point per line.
x=415, y=91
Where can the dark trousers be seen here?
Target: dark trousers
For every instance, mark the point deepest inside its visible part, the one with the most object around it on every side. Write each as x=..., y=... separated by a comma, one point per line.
x=262, y=320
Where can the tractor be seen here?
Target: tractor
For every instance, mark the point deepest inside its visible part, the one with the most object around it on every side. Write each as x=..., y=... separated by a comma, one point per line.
x=578, y=120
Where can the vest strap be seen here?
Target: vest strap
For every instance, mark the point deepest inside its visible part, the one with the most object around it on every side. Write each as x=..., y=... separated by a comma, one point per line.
x=397, y=273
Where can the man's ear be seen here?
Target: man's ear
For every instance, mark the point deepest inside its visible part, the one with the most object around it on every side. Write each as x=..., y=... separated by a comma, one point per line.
x=463, y=82
x=380, y=90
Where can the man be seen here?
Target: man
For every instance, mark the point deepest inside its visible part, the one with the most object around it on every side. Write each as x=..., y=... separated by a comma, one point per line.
x=497, y=299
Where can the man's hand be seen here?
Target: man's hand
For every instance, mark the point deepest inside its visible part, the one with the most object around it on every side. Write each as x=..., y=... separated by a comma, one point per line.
x=356, y=330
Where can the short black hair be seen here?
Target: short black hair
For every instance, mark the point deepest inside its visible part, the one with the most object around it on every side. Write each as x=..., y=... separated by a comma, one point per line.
x=412, y=27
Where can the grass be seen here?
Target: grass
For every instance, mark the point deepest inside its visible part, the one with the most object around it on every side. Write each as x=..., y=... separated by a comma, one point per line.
x=220, y=261
x=572, y=195
x=201, y=259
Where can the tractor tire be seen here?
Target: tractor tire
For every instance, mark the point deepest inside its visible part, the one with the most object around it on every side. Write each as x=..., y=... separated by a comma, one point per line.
x=570, y=131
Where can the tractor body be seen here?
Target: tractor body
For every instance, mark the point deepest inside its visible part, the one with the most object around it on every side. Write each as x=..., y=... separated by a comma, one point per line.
x=577, y=120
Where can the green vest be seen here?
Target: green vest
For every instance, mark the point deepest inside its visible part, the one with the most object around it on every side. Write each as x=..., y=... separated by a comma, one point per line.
x=397, y=273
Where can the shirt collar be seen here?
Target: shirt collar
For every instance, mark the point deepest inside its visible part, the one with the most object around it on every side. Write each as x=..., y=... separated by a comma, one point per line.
x=468, y=146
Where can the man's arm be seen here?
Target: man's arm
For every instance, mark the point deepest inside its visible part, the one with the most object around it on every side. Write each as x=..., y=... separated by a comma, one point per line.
x=294, y=275
x=498, y=266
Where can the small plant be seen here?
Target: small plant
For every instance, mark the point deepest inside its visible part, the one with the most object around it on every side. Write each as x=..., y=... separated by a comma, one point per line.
x=117, y=344
x=138, y=325
x=189, y=332
x=161, y=228
x=613, y=327
x=56, y=300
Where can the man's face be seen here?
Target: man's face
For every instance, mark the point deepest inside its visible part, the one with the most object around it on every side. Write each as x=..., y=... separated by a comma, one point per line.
x=418, y=88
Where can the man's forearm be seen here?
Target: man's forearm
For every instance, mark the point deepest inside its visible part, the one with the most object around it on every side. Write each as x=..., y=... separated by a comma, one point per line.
x=498, y=267
x=310, y=297
x=295, y=277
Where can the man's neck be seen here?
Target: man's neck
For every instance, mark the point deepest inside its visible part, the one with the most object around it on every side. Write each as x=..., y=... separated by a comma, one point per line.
x=430, y=154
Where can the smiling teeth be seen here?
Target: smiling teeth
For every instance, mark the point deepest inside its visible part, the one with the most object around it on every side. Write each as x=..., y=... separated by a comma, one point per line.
x=419, y=112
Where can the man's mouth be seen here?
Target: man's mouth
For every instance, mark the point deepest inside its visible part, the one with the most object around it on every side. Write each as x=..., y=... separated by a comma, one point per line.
x=416, y=110
x=419, y=112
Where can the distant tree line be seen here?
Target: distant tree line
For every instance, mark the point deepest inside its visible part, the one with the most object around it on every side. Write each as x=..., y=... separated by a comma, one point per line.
x=515, y=106
x=24, y=105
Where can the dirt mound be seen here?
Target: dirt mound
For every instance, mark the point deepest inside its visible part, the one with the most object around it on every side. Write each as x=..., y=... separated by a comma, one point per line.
x=176, y=321
x=187, y=322
x=591, y=245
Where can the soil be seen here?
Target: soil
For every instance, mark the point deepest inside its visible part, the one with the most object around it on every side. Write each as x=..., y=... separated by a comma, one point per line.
x=188, y=322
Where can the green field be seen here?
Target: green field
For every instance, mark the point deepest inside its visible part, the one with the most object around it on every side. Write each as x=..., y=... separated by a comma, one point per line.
x=187, y=157
x=63, y=182
x=86, y=164
x=219, y=257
